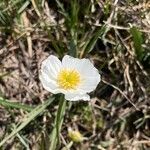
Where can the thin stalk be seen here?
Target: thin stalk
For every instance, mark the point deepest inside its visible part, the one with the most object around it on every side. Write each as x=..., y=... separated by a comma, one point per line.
x=58, y=124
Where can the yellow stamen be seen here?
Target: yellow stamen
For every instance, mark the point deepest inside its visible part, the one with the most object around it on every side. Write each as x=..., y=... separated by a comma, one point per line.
x=68, y=79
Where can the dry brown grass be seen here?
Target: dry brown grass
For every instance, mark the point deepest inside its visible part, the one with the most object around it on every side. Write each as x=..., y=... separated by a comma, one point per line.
x=118, y=116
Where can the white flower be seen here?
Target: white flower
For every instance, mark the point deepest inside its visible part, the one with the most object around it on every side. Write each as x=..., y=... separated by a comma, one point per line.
x=73, y=77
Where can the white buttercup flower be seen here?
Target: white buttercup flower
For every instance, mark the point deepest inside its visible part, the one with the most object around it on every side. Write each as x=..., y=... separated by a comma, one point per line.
x=73, y=77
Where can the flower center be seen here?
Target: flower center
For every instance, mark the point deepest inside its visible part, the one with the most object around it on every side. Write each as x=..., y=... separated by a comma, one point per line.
x=68, y=79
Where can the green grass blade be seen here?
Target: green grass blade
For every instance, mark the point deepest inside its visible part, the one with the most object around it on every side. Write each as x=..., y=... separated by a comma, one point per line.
x=32, y=115
x=24, y=6
x=8, y=104
x=23, y=141
x=92, y=41
x=60, y=5
x=72, y=48
x=2, y=19
x=138, y=41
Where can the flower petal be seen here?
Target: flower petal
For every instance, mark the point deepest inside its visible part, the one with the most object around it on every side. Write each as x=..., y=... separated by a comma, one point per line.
x=51, y=66
x=90, y=76
x=75, y=97
x=48, y=84
x=70, y=62
x=48, y=73
x=86, y=68
x=90, y=83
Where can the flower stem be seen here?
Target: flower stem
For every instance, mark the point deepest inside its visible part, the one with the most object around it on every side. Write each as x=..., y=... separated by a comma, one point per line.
x=58, y=124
